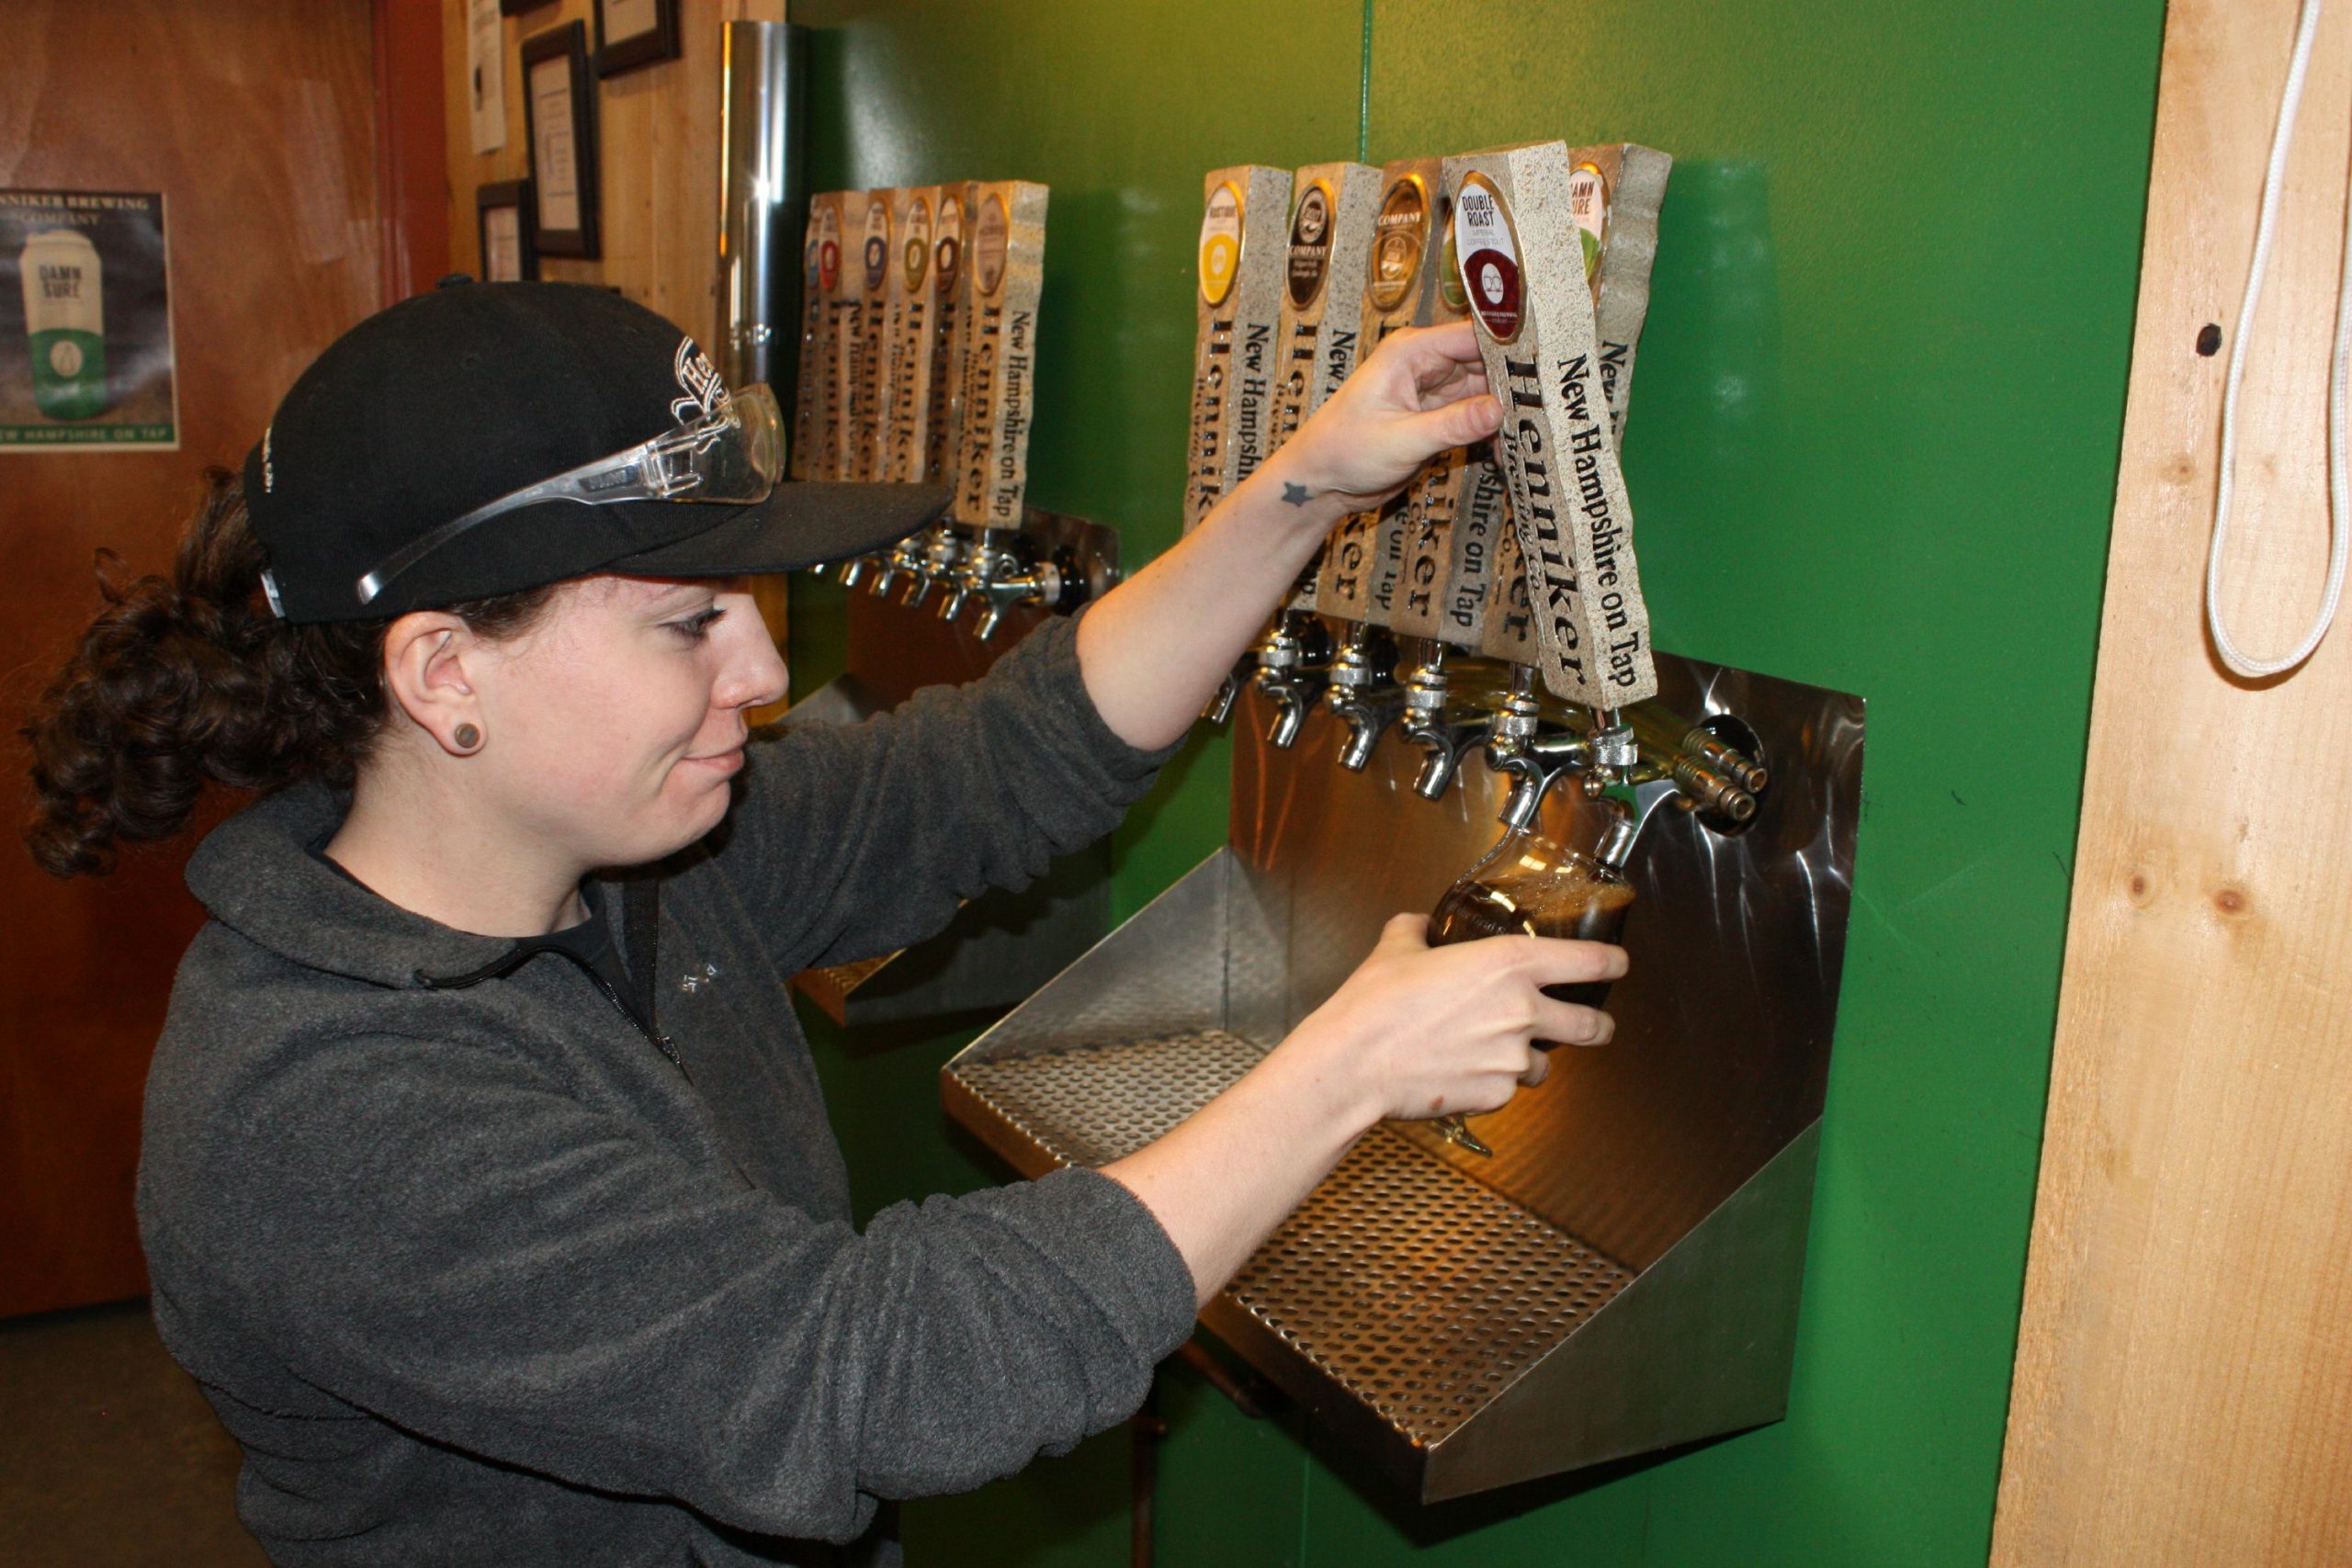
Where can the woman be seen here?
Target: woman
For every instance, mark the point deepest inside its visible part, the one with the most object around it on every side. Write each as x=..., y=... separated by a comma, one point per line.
x=501, y=1225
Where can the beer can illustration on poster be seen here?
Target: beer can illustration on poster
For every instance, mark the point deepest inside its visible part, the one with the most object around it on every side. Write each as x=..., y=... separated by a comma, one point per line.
x=65, y=323
x=88, y=362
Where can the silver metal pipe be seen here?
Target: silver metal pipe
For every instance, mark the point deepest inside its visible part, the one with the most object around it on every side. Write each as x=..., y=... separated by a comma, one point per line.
x=763, y=199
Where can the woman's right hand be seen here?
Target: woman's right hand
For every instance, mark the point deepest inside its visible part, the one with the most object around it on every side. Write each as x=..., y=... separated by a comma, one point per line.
x=1419, y=1030
x=1416, y=1031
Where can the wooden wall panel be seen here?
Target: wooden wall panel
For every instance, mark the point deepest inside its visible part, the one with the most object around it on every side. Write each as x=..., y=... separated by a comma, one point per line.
x=2186, y=1343
x=257, y=123
x=411, y=160
x=658, y=149
x=658, y=146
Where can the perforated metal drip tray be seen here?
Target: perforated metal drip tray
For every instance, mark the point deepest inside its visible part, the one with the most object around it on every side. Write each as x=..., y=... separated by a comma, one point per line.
x=1415, y=1291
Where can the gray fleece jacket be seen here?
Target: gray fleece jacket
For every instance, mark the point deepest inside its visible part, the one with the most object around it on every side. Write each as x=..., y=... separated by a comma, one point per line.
x=476, y=1274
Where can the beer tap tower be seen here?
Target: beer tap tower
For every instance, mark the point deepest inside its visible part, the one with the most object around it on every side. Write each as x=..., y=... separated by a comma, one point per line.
x=919, y=361
x=1623, y=1274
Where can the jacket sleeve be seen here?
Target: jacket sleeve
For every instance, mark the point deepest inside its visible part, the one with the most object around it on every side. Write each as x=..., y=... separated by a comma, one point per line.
x=441, y=1236
x=851, y=840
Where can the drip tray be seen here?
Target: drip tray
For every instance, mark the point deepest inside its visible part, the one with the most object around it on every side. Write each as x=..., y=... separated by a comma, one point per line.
x=1418, y=1291
x=1422, y=1312
x=1092, y=1104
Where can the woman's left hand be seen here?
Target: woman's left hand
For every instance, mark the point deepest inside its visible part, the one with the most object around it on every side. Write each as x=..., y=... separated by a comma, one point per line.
x=1422, y=392
x=1156, y=647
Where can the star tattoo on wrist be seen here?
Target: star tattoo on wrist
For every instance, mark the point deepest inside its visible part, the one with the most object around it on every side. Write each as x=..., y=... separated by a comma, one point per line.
x=1296, y=494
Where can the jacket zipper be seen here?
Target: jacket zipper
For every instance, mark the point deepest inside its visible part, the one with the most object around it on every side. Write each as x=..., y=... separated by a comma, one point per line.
x=661, y=1042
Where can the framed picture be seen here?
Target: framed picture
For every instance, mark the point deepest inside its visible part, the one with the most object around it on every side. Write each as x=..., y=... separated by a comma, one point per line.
x=503, y=219
x=559, y=120
x=631, y=33
x=517, y=7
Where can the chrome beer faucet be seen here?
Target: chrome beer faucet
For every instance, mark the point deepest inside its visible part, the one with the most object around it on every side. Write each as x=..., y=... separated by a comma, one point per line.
x=1363, y=692
x=1615, y=753
x=1220, y=704
x=902, y=558
x=1432, y=723
x=1522, y=748
x=941, y=554
x=999, y=579
x=976, y=567
x=1292, y=664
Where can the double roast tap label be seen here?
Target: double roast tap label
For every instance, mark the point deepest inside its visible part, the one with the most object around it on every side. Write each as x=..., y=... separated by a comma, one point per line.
x=1362, y=560
x=951, y=295
x=1007, y=256
x=815, y=445
x=1523, y=272
x=905, y=400
x=1242, y=268
x=1321, y=322
x=1614, y=195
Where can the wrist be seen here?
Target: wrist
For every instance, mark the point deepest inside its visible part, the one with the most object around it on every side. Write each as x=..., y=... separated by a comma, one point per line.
x=1302, y=498
x=1316, y=1070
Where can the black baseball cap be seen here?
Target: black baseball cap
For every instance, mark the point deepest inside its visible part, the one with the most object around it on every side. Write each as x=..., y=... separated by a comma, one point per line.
x=454, y=398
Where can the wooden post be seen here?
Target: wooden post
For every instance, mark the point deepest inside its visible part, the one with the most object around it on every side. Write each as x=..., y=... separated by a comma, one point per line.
x=2187, y=1341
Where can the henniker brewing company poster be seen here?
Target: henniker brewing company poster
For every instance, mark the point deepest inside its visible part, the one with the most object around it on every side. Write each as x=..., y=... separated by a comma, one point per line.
x=85, y=322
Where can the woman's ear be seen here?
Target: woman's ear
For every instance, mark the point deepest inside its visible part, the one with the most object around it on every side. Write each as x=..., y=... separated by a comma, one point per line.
x=425, y=673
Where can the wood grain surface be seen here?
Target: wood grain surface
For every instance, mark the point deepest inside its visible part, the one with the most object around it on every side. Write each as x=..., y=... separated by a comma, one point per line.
x=255, y=121
x=2183, y=1391
x=658, y=149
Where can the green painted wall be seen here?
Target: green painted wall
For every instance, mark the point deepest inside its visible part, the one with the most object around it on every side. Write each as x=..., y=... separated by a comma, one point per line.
x=1873, y=446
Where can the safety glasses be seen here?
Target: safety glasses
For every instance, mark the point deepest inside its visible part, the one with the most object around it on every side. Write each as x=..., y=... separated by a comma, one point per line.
x=734, y=453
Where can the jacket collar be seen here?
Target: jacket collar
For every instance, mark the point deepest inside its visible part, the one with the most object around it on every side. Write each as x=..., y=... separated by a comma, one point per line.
x=255, y=874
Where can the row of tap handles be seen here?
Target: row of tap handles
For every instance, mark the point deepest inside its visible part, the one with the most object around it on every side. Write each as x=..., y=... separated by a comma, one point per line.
x=1714, y=767
x=989, y=567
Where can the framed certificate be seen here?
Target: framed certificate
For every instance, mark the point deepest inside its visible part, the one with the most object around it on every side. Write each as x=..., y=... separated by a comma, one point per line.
x=503, y=213
x=559, y=116
x=631, y=33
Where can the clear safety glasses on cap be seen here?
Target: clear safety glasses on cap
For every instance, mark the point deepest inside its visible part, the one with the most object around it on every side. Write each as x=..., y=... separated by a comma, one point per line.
x=734, y=453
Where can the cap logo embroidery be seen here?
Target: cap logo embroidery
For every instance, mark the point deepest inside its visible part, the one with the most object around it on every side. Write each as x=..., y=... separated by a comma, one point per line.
x=268, y=474
x=706, y=393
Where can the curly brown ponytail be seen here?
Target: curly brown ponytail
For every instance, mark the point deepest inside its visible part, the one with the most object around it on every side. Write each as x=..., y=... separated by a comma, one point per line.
x=192, y=679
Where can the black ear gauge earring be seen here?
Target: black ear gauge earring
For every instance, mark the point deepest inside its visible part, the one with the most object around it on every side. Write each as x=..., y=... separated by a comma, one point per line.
x=468, y=737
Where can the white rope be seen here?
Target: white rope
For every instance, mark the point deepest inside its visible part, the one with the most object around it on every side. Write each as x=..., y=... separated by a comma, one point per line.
x=2337, y=505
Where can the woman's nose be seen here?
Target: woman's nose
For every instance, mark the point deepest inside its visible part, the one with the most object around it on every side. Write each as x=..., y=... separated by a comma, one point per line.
x=754, y=675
